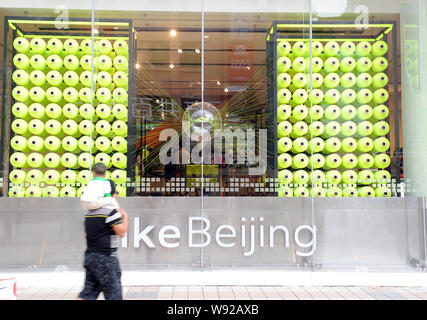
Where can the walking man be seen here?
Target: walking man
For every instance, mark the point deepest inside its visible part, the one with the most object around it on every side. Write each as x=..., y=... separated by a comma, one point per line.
x=104, y=227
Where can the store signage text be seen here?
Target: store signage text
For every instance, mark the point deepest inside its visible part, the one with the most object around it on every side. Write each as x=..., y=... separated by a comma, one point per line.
x=251, y=235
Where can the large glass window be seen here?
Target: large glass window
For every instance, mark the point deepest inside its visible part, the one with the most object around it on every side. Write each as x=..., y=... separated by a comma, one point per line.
x=258, y=134
x=369, y=38
x=46, y=82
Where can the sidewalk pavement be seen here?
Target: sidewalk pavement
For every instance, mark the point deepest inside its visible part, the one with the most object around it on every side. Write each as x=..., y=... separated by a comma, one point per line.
x=236, y=293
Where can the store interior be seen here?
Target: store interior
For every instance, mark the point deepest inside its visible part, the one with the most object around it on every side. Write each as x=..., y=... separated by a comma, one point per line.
x=169, y=69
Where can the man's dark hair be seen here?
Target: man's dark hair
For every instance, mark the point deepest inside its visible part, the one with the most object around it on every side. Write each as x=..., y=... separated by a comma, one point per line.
x=99, y=169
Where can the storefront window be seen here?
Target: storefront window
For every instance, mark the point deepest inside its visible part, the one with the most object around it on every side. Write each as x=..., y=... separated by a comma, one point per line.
x=268, y=133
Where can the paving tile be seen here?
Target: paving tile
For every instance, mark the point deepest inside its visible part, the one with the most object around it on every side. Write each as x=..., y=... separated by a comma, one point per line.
x=271, y=293
x=150, y=293
x=141, y=295
x=151, y=289
x=406, y=293
x=135, y=289
x=240, y=293
x=362, y=295
x=195, y=293
x=256, y=293
x=345, y=293
x=210, y=293
x=316, y=293
x=286, y=293
x=301, y=293
x=165, y=293
x=133, y=293
x=390, y=293
x=225, y=293
x=237, y=292
x=418, y=292
x=376, y=294
x=180, y=293
x=331, y=293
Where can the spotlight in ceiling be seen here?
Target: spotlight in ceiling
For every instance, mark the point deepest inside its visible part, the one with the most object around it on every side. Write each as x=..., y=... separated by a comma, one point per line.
x=197, y=50
x=172, y=33
x=218, y=83
x=179, y=51
x=137, y=66
x=171, y=66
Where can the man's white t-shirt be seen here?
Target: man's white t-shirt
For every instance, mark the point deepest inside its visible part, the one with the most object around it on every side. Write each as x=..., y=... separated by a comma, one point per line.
x=97, y=193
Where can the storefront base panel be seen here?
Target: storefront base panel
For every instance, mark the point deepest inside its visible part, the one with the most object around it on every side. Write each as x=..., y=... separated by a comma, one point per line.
x=302, y=234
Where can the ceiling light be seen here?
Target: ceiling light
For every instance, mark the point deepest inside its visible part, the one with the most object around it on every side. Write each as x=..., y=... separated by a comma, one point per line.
x=218, y=83
x=172, y=33
x=137, y=65
x=115, y=28
x=206, y=37
x=179, y=50
x=226, y=90
x=197, y=50
x=247, y=67
x=171, y=66
x=95, y=31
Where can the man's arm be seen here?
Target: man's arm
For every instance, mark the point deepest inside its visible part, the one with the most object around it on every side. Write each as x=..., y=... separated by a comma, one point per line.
x=113, y=191
x=121, y=228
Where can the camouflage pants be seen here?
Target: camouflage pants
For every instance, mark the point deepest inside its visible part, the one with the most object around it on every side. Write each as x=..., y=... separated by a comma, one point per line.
x=102, y=275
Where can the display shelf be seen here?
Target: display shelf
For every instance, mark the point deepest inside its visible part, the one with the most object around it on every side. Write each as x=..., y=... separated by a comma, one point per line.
x=46, y=148
x=336, y=55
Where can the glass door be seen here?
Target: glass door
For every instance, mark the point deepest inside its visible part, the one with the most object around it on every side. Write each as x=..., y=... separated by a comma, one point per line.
x=256, y=170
